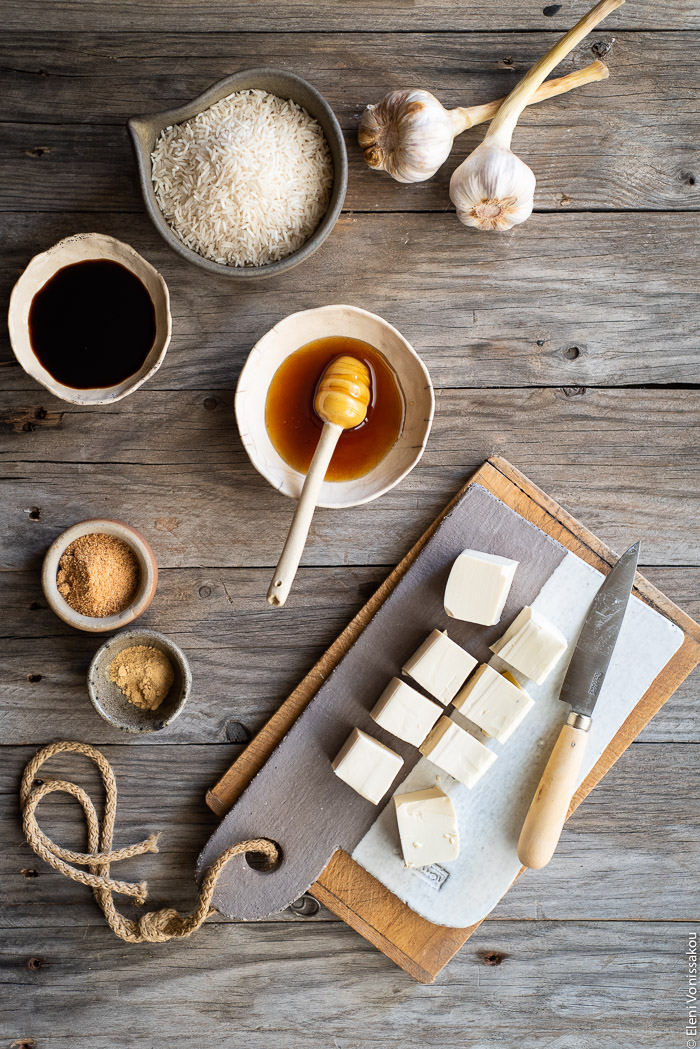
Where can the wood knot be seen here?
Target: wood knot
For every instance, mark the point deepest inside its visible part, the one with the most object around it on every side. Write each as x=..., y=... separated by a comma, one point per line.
x=33, y=678
x=236, y=732
x=210, y=404
x=551, y=9
x=37, y=151
x=491, y=957
x=601, y=48
x=574, y=391
x=23, y=1043
x=571, y=353
x=29, y=872
x=34, y=513
x=35, y=963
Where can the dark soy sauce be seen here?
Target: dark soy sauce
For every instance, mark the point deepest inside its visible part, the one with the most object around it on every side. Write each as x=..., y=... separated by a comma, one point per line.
x=92, y=324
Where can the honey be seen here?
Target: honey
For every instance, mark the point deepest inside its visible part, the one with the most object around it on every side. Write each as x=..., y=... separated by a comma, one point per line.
x=294, y=428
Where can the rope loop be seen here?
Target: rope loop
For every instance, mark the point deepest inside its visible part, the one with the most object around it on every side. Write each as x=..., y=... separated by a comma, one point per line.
x=153, y=927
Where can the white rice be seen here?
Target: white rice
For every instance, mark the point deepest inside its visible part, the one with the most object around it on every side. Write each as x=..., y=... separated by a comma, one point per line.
x=247, y=181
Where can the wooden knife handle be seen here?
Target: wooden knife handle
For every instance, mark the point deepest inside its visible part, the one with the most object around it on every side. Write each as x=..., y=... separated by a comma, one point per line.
x=547, y=813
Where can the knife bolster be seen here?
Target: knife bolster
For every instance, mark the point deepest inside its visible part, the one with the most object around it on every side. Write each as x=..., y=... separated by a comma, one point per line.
x=580, y=721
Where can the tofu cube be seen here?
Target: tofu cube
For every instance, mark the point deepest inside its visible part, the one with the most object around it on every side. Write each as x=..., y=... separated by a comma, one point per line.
x=478, y=587
x=367, y=765
x=456, y=752
x=427, y=827
x=405, y=712
x=440, y=666
x=493, y=703
x=532, y=645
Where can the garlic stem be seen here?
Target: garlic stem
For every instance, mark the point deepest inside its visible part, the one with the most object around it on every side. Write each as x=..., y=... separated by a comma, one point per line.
x=469, y=116
x=503, y=124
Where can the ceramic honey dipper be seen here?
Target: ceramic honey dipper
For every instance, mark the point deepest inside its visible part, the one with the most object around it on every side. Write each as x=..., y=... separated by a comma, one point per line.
x=341, y=402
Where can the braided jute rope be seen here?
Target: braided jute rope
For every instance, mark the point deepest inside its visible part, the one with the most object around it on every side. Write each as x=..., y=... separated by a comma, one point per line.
x=154, y=927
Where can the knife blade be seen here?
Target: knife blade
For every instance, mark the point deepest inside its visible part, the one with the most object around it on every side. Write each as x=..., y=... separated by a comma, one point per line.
x=582, y=685
x=598, y=637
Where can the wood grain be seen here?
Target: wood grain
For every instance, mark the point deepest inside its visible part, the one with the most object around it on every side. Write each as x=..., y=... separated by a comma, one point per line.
x=175, y=467
x=256, y=980
x=619, y=288
x=417, y=946
x=245, y=659
x=65, y=144
x=337, y=15
x=636, y=819
x=612, y=298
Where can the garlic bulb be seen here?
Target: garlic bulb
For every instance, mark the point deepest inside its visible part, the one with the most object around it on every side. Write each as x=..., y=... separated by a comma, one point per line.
x=409, y=134
x=493, y=189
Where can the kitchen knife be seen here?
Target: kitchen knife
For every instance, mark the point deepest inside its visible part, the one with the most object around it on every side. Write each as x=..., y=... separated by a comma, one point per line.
x=582, y=684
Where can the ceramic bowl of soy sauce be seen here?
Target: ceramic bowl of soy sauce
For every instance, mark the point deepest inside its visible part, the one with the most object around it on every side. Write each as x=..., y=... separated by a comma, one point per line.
x=90, y=319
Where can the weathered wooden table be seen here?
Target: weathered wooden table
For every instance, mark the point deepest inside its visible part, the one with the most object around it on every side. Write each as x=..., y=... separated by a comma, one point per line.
x=570, y=346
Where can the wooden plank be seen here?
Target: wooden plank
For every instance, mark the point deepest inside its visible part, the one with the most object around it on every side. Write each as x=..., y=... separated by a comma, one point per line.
x=601, y=293
x=636, y=820
x=245, y=658
x=285, y=985
x=338, y=15
x=65, y=145
x=346, y=888
x=171, y=464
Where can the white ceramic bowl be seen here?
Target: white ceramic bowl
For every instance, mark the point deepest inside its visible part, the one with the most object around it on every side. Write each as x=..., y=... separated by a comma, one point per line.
x=294, y=332
x=144, y=595
x=80, y=248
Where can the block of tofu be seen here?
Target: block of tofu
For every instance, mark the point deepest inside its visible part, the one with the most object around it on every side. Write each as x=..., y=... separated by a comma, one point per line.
x=493, y=703
x=478, y=587
x=532, y=645
x=367, y=765
x=456, y=752
x=440, y=666
x=427, y=827
x=405, y=712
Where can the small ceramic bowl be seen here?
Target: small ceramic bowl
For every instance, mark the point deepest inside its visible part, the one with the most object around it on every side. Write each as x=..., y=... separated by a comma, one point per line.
x=80, y=248
x=110, y=702
x=144, y=131
x=144, y=594
x=287, y=337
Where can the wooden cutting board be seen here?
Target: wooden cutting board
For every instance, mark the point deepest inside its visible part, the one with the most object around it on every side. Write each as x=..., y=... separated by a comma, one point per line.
x=417, y=945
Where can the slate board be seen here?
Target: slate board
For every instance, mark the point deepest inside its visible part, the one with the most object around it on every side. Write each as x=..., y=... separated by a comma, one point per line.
x=417, y=945
x=296, y=799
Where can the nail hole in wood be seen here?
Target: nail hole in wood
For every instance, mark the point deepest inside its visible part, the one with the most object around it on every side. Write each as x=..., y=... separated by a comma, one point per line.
x=551, y=9
x=29, y=872
x=540, y=342
x=259, y=861
x=34, y=513
x=34, y=605
x=306, y=906
x=36, y=963
x=33, y=678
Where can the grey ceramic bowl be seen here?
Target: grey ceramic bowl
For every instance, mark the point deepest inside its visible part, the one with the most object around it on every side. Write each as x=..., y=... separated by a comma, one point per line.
x=110, y=702
x=144, y=131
